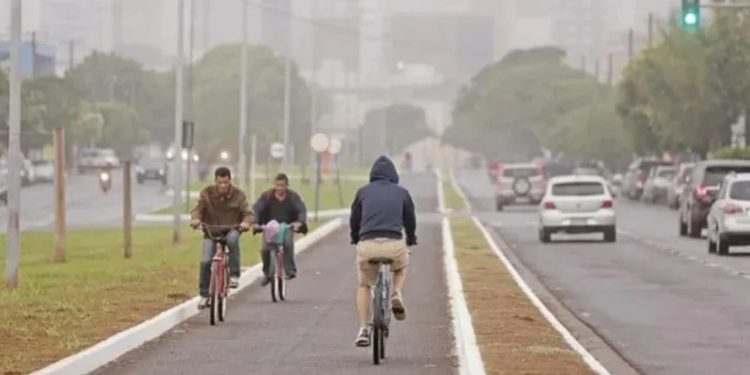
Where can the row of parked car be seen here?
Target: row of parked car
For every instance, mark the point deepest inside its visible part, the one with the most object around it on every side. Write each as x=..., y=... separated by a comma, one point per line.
x=713, y=195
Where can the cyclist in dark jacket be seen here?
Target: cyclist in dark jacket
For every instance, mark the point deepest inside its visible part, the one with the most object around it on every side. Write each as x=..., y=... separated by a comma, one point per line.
x=381, y=212
x=285, y=206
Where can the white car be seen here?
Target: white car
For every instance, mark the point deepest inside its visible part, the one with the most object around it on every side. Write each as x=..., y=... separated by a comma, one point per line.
x=729, y=217
x=94, y=159
x=44, y=170
x=519, y=183
x=577, y=204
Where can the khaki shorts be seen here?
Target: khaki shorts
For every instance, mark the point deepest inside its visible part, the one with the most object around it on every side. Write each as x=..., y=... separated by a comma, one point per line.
x=367, y=274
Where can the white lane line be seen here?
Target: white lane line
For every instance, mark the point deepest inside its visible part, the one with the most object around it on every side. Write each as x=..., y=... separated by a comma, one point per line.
x=466, y=347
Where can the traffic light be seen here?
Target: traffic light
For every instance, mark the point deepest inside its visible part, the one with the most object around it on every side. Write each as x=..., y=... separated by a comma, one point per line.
x=691, y=15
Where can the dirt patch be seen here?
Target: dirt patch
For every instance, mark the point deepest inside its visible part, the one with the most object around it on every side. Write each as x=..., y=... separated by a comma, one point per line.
x=514, y=338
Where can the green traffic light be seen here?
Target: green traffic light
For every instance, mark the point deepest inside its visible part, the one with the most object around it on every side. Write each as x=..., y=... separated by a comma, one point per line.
x=691, y=19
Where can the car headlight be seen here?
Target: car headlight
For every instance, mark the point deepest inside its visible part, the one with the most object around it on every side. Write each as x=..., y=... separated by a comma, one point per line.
x=161, y=171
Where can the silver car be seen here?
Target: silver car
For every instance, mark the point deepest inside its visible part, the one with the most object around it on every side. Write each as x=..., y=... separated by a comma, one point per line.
x=729, y=217
x=677, y=185
x=577, y=204
x=657, y=184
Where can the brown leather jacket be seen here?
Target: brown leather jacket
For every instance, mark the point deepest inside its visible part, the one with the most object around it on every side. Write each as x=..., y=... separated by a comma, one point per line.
x=228, y=209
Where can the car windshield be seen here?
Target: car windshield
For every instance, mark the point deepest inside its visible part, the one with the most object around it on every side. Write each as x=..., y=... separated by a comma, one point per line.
x=666, y=173
x=588, y=171
x=740, y=191
x=152, y=163
x=715, y=175
x=577, y=189
x=41, y=163
x=520, y=172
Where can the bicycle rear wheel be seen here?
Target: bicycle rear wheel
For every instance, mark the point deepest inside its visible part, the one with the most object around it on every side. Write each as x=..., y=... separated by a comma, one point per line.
x=280, y=276
x=377, y=322
x=274, y=280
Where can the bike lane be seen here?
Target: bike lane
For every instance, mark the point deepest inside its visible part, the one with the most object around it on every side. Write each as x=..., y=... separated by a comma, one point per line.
x=314, y=330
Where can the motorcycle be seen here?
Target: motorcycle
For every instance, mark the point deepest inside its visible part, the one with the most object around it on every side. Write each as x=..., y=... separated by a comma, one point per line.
x=105, y=181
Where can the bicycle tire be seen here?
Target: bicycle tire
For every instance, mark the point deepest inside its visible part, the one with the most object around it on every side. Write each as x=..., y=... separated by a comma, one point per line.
x=376, y=337
x=377, y=320
x=280, y=276
x=223, y=295
x=213, y=295
x=274, y=279
x=383, y=335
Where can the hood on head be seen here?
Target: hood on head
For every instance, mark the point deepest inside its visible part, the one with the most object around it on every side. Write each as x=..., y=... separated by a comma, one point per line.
x=383, y=169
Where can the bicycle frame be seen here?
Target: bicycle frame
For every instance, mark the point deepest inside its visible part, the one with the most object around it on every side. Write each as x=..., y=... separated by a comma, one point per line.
x=219, y=281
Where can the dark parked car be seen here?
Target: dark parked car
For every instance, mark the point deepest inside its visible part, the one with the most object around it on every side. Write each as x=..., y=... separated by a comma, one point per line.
x=152, y=169
x=700, y=192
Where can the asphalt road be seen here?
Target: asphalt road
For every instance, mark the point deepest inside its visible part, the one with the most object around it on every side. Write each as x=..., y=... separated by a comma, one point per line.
x=313, y=332
x=87, y=206
x=661, y=301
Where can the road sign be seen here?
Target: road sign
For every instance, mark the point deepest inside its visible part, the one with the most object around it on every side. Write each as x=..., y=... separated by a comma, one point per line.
x=319, y=142
x=277, y=150
x=334, y=146
x=187, y=134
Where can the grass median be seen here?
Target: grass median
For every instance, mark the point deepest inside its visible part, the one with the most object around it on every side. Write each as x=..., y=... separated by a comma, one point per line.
x=453, y=201
x=330, y=199
x=513, y=336
x=62, y=308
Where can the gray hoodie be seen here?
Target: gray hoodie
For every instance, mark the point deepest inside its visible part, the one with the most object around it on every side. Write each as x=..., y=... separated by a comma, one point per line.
x=383, y=209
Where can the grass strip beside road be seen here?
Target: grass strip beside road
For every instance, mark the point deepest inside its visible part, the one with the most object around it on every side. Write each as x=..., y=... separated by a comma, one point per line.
x=63, y=308
x=513, y=336
x=453, y=201
x=329, y=193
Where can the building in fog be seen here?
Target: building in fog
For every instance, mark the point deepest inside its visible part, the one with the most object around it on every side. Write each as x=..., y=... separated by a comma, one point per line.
x=37, y=59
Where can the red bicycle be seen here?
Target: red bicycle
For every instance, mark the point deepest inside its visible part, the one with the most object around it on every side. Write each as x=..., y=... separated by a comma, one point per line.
x=218, y=288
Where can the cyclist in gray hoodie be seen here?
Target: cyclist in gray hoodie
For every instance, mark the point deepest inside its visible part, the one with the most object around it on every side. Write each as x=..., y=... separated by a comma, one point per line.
x=381, y=212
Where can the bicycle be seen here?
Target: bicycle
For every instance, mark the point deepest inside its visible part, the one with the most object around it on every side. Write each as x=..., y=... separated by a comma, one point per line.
x=219, y=283
x=275, y=237
x=381, y=308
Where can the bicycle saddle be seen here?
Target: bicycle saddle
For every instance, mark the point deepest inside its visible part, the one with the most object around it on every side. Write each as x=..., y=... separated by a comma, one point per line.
x=380, y=261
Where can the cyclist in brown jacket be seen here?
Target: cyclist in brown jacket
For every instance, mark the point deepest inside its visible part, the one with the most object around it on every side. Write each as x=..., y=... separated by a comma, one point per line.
x=221, y=205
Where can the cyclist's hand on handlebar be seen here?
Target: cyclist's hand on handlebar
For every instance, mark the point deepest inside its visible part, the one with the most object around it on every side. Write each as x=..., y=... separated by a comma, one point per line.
x=411, y=241
x=244, y=227
x=257, y=229
x=195, y=223
x=296, y=226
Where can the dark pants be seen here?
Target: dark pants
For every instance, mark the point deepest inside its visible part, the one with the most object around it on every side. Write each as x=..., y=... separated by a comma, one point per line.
x=289, y=265
x=209, y=249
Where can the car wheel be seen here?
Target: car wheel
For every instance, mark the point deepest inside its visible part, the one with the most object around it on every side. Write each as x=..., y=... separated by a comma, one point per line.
x=711, y=244
x=499, y=204
x=722, y=246
x=545, y=236
x=683, y=227
x=610, y=234
x=694, y=229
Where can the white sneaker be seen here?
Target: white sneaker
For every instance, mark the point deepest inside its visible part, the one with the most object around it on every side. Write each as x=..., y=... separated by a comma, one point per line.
x=363, y=338
x=204, y=303
x=234, y=282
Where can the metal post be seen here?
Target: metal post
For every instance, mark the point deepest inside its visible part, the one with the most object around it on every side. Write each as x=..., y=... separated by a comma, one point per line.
x=317, y=184
x=33, y=54
x=127, y=210
x=650, y=29
x=596, y=70
x=59, y=138
x=610, y=70
x=177, y=161
x=242, y=157
x=631, y=36
x=253, y=163
x=287, y=106
x=187, y=180
x=14, y=168
x=71, y=55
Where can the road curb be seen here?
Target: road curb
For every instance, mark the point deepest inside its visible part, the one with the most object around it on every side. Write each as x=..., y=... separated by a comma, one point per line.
x=466, y=348
x=121, y=343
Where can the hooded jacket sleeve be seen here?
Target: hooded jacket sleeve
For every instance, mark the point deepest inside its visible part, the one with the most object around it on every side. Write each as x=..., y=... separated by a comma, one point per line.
x=410, y=220
x=355, y=218
x=259, y=208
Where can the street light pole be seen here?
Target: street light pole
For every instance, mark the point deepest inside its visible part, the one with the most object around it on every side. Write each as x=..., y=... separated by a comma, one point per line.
x=177, y=155
x=287, y=106
x=14, y=149
x=242, y=158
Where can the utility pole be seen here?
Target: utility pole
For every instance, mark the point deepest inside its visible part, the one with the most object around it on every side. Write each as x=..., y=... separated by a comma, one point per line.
x=71, y=55
x=127, y=210
x=650, y=30
x=241, y=156
x=33, y=54
x=287, y=106
x=596, y=70
x=12, y=238
x=610, y=69
x=177, y=161
x=631, y=36
x=189, y=114
x=59, y=137
x=253, y=163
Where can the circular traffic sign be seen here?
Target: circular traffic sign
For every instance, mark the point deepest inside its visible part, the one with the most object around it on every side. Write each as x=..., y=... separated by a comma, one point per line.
x=319, y=142
x=334, y=146
x=277, y=150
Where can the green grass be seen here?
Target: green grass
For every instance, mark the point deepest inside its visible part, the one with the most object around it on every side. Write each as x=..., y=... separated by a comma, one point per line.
x=453, y=201
x=62, y=308
x=329, y=193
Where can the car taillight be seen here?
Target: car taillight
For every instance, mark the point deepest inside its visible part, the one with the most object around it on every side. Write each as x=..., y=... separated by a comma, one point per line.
x=642, y=177
x=608, y=204
x=733, y=209
x=549, y=206
x=700, y=191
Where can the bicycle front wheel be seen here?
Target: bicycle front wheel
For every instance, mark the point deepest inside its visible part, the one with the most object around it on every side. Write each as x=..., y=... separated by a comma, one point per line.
x=377, y=337
x=214, y=294
x=222, y=299
x=274, y=279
